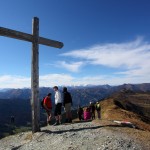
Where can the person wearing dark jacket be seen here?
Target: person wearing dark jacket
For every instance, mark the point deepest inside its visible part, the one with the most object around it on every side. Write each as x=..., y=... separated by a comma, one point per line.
x=80, y=112
x=67, y=103
x=92, y=110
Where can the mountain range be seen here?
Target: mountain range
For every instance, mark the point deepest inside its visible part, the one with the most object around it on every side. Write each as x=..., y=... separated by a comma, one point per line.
x=81, y=94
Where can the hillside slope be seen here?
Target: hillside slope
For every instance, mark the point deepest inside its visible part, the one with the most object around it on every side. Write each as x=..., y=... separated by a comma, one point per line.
x=132, y=107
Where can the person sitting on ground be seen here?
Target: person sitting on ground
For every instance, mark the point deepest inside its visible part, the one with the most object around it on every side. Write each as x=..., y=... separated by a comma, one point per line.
x=98, y=109
x=47, y=103
x=80, y=112
x=67, y=103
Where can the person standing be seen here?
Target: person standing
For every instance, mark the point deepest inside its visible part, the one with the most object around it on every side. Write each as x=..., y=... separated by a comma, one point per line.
x=12, y=119
x=67, y=103
x=80, y=113
x=58, y=105
x=47, y=104
x=98, y=109
x=92, y=110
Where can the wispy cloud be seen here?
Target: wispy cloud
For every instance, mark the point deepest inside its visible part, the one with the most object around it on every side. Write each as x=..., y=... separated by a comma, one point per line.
x=49, y=80
x=132, y=56
x=71, y=66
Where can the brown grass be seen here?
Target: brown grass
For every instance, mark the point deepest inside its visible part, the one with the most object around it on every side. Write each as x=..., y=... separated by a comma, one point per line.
x=112, y=112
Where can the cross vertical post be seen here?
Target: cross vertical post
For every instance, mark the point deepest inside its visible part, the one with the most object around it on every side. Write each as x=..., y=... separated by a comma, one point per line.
x=35, y=77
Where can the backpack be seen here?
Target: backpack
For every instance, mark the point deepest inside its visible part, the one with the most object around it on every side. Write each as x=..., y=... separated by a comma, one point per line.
x=42, y=103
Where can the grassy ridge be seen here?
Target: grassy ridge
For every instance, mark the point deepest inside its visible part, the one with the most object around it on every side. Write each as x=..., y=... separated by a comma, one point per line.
x=132, y=107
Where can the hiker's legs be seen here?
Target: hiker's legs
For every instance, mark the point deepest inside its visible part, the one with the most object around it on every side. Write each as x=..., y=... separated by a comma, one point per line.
x=98, y=114
x=68, y=112
x=56, y=114
x=48, y=116
x=78, y=116
x=70, y=116
x=66, y=120
x=93, y=114
x=59, y=112
x=67, y=116
x=65, y=109
x=59, y=119
x=56, y=117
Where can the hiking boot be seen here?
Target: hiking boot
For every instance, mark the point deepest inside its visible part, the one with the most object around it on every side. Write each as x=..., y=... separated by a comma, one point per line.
x=56, y=123
x=70, y=120
x=48, y=122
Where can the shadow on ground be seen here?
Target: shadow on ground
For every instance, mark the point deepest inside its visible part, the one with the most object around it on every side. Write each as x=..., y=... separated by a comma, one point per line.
x=79, y=129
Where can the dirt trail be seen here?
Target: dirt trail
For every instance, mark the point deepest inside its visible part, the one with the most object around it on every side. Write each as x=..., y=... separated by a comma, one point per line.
x=77, y=136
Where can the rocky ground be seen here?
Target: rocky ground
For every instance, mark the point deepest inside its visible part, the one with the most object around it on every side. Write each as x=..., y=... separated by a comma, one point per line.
x=77, y=136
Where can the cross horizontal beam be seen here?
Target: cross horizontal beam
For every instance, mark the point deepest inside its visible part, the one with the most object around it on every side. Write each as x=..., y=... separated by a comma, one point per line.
x=28, y=37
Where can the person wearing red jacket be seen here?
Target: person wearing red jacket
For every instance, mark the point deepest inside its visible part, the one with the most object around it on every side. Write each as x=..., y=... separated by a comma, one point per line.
x=48, y=107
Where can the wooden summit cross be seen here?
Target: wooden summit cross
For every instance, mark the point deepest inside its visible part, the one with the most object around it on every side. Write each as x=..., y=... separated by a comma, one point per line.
x=36, y=40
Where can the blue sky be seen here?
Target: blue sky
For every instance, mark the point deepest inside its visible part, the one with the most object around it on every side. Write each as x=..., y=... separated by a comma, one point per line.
x=105, y=42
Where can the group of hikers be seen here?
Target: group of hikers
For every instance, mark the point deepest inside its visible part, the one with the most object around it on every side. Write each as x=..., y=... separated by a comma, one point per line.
x=88, y=112
x=65, y=100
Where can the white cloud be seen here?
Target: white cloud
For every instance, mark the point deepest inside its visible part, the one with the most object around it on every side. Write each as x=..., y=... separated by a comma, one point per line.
x=8, y=81
x=71, y=66
x=51, y=80
x=132, y=56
